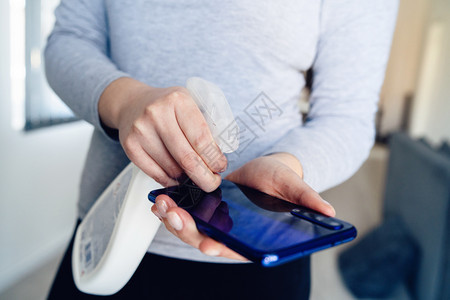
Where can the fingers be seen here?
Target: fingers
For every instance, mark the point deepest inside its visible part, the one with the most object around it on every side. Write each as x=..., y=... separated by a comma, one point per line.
x=275, y=178
x=149, y=166
x=214, y=248
x=310, y=198
x=180, y=223
x=291, y=187
x=167, y=126
x=187, y=158
x=197, y=132
x=146, y=138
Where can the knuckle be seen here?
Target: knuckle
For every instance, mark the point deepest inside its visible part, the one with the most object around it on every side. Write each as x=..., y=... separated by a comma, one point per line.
x=129, y=146
x=177, y=94
x=189, y=161
x=150, y=112
x=180, y=91
x=202, y=141
x=137, y=127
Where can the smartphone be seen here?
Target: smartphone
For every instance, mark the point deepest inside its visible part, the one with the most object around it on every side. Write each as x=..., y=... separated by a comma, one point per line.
x=266, y=230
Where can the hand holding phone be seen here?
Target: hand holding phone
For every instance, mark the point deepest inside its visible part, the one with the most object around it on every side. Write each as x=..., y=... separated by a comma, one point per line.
x=262, y=228
x=278, y=174
x=180, y=223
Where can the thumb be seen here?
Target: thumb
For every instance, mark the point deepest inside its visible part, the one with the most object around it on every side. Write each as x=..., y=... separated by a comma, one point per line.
x=292, y=188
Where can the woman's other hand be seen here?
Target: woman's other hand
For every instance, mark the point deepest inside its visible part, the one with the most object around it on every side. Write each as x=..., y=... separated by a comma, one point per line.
x=163, y=132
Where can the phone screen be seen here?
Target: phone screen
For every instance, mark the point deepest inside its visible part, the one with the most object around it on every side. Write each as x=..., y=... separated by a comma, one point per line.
x=260, y=221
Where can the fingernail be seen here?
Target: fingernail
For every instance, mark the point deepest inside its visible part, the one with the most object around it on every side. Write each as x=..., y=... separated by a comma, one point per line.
x=174, y=221
x=162, y=208
x=156, y=213
x=332, y=210
x=226, y=165
x=326, y=202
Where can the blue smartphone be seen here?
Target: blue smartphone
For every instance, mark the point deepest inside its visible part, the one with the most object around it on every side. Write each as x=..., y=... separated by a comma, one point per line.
x=262, y=228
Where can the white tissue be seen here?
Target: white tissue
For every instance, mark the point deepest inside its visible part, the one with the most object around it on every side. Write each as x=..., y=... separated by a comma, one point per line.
x=217, y=112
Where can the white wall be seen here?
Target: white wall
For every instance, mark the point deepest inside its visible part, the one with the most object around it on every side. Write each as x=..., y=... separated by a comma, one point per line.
x=39, y=178
x=431, y=110
x=404, y=61
x=419, y=64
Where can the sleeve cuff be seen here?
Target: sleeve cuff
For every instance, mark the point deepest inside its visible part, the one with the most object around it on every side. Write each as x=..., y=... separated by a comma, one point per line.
x=110, y=133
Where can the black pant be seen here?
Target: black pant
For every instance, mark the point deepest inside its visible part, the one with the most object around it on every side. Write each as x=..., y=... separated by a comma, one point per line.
x=160, y=277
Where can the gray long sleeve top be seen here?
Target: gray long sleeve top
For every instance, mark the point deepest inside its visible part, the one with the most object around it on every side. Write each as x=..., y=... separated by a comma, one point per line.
x=257, y=52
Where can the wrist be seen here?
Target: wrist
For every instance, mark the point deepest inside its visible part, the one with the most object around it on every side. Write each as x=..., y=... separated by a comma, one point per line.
x=118, y=95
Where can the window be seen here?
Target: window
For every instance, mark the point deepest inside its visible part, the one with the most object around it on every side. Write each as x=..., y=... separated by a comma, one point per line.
x=35, y=105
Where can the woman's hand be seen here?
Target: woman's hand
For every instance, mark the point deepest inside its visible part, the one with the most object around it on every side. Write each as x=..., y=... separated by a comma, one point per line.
x=279, y=175
x=163, y=132
x=180, y=223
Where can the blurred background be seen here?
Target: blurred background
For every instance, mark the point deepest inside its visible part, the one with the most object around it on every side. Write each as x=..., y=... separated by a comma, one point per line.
x=399, y=199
